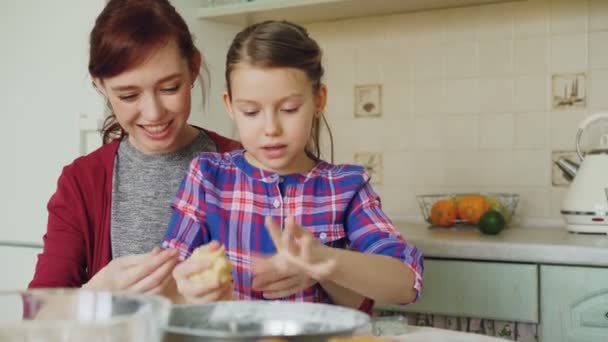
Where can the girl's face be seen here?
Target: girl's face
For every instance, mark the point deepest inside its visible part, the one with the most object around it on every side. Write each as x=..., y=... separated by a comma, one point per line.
x=152, y=101
x=274, y=109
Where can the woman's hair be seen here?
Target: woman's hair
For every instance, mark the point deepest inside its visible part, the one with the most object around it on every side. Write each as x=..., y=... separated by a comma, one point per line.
x=126, y=34
x=281, y=44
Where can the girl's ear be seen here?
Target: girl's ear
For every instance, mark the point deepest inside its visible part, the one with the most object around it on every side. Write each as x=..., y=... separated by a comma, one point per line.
x=195, y=67
x=321, y=99
x=98, y=84
x=228, y=104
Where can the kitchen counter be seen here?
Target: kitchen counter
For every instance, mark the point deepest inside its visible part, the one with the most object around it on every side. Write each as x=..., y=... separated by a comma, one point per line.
x=514, y=244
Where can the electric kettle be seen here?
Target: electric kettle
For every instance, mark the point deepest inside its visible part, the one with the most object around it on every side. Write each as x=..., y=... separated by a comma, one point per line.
x=585, y=205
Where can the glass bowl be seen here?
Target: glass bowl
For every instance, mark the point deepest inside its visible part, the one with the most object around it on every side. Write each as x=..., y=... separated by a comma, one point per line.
x=505, y=203
x=75, y=315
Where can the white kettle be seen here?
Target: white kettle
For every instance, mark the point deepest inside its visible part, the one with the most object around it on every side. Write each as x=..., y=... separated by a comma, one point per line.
x=585, y=206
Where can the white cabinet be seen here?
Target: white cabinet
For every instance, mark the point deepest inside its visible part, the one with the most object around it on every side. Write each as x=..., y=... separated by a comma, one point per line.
x=17, y=266
x=306, y=11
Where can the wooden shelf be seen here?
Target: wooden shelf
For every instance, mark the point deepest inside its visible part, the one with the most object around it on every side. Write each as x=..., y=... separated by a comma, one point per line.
x=308, y=11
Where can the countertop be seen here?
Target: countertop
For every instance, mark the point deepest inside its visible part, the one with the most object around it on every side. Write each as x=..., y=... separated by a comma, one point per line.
x=515, y=244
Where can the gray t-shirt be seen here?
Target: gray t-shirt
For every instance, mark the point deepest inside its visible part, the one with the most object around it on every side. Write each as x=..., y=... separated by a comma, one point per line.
x=143, y=189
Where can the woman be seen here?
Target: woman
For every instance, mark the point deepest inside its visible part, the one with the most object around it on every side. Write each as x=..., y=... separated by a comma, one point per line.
x=112, y=207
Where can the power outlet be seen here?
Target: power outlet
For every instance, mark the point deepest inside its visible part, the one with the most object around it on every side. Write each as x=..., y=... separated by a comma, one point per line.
x=557, y=175
x=372, y=163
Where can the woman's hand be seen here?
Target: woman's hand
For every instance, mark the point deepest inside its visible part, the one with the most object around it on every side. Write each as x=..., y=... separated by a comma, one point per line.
x=299, y=250
x=275, y=284
x=142, y=273
x=197, y=292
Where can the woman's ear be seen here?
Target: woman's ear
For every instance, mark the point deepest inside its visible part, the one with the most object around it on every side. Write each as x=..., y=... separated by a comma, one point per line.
x=98, y=84
x=228, y=104
x=321, y=99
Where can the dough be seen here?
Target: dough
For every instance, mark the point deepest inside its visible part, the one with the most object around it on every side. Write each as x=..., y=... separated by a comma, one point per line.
x=361, y=339
x=220, y=270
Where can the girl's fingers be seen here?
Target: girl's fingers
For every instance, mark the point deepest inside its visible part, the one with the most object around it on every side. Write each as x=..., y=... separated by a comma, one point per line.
x=190, y=267
x=275, y=232
x=157, y=277
x=211, y=294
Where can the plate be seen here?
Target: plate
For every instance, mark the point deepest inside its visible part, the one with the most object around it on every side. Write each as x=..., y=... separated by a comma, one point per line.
x=256, y=320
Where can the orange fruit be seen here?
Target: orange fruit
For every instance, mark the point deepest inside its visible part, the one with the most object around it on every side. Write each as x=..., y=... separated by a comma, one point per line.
x=471, y=207
x=443, y=213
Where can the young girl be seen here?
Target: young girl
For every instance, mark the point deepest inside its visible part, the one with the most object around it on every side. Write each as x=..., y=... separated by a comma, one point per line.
x=294, y=226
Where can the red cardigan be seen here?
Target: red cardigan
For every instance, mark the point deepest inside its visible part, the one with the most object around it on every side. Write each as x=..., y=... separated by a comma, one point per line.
x=77, y=240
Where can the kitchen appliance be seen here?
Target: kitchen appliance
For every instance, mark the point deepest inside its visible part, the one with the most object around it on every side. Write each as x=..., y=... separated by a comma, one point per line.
x=585, y=205
x=75, y=315
x=256, y=320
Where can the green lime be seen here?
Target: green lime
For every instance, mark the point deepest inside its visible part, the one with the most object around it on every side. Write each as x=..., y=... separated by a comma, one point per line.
x=492, y=222
x=497, y=205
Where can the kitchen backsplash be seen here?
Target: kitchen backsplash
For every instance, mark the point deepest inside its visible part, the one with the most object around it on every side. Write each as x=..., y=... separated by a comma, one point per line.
x=462, y=99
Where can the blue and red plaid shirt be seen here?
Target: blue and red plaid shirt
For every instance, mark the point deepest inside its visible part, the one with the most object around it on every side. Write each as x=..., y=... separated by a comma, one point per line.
x=224, y=198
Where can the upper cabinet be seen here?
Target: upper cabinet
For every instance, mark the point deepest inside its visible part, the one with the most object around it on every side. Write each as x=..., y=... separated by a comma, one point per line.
x=307, y=11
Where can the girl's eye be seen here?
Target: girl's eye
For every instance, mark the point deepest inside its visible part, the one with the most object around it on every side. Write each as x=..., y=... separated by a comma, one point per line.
x=128, y=98
x=249, y=113
x=171, y=90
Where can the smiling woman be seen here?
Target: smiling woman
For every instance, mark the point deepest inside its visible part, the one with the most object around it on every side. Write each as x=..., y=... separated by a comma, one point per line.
x=111, y=207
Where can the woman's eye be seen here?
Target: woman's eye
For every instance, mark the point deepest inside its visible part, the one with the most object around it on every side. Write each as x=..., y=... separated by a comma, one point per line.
x=128, y=98
x=290, y=110
x=171, y=90
x=250, y=113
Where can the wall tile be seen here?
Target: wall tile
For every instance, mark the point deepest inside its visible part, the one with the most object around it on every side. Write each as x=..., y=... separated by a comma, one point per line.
x=462, y=168
x=462, y=24
x=496, y=168
x=428, y=133
x=428, y=62
x=496, y=95
x=430, y=168
x=598, y=15
x=532, y=18
x=557, y=197
x=461, y=132
x=397, y=135
x=461, y=60
x=532, y=55
x=569, y=53
x=496, y=21
x=568, y=16
x=532, y=93
x=531, y=130
x=598, y=50
x=463, y=96
x=563, y=129
x=397, y=64
x=358, y=135
x=598, y=89
x=531, y=168
x=397, y=101
x=496, y=131
x=398, y=168
x=429, y=97
x=495, y=57
x=534, y=202
x=369, y=65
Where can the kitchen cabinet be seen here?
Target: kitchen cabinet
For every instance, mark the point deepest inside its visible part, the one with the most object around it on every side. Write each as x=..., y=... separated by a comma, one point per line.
x=574, y=303
x=307, y=11
x=502, y=291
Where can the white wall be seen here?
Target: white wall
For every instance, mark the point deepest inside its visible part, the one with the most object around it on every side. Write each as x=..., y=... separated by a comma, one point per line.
x=43, y=89
x=466, y=96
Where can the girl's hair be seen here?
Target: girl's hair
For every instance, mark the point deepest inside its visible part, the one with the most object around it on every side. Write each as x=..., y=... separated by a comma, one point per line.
x=126, y=34
x=281, y=44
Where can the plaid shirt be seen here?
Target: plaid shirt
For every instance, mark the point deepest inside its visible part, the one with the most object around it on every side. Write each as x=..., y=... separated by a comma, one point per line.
x=224, y=198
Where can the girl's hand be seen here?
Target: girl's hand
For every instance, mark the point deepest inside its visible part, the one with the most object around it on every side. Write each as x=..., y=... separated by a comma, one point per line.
x=196, y=292
x=298, y=249
x=274, y=284
x=142, y=273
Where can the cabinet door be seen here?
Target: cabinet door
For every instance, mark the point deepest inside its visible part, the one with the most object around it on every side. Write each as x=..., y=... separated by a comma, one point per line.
x=574, y=304
x=493, y=290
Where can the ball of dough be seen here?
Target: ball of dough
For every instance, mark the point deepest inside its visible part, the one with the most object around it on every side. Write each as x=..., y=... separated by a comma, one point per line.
x=220, y=270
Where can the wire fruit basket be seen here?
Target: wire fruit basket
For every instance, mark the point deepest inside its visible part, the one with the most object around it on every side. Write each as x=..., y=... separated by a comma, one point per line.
x=464, y=209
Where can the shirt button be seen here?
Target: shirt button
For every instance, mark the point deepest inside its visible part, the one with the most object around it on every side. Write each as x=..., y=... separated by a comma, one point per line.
x=323, y=236
x=276, y=203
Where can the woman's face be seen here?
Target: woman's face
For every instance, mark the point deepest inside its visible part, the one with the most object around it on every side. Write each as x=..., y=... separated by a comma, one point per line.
x=152, y=101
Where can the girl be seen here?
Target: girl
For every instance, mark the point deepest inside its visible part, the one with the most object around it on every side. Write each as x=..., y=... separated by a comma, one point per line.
x=110, y=209
x=294, y=226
